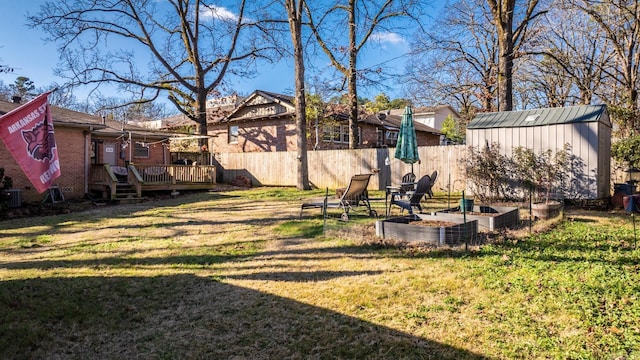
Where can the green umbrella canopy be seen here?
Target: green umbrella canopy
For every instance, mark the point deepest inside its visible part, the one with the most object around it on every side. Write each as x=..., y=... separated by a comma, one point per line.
x=407, y=147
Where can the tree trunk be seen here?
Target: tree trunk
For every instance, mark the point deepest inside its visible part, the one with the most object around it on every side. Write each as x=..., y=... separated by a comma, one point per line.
x=201, y=116
x=502, y=12
x=505, y=75
x=295, y=26
x=353, y=93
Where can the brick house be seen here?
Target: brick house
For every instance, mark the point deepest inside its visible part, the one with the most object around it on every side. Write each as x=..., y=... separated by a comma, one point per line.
x=265, y=121
x=119, y=144
x=375, y=130
x=82, y=140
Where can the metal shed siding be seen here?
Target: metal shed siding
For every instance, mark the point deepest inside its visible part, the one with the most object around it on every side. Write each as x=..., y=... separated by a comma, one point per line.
x=587, y=129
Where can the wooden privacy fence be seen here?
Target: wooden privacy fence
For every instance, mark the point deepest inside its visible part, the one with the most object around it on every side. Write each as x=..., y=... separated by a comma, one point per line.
x=334, y=168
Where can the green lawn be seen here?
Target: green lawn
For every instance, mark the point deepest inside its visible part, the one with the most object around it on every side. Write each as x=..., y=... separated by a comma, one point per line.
x=237, y=274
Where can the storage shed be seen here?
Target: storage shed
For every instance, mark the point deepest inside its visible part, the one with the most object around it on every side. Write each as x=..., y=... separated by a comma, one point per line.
x=587, y=129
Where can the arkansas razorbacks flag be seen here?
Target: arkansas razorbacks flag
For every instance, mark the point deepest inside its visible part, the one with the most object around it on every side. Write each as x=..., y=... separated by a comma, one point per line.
x=28, y=134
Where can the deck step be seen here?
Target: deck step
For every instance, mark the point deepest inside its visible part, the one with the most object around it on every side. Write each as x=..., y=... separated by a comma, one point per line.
x=126, y=194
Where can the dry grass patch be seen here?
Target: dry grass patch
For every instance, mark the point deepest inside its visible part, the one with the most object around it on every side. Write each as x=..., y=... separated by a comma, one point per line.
x=237, y=274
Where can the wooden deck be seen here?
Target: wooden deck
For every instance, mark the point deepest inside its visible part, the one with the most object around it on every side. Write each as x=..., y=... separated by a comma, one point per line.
x=112, y=181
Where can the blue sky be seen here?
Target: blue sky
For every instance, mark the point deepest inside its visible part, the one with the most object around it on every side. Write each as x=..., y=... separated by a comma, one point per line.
x=24, y=50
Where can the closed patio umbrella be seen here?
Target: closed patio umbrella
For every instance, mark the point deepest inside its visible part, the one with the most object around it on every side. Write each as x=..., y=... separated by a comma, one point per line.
x=407, y=146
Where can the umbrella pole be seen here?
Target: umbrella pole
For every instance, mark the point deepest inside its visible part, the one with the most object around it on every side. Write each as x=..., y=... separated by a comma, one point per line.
x=633, y=216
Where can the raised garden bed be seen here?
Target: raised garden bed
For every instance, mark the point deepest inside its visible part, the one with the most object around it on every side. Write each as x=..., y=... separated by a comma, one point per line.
x=428, y=229
x=489, y=217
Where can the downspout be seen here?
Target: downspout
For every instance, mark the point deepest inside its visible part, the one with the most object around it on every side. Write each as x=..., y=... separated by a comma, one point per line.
x=87, y=159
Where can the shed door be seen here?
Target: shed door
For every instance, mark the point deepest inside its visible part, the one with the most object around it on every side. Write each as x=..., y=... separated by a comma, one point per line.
x=110, y=156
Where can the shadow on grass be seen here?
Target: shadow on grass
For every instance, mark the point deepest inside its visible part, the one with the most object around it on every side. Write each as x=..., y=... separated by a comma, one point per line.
x=112, y=210
x=187, y=317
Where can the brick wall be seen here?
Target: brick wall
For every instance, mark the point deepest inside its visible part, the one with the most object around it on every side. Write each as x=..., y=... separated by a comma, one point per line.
x=158, y=154
x=71, y=150
x=255, y=136
x=280, y=135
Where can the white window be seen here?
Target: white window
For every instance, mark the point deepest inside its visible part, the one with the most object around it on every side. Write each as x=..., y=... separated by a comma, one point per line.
x=391, y=137
x=337, y=134
x=233, y=134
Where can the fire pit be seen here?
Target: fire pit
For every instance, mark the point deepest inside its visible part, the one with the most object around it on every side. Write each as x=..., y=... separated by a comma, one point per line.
x=428, y=229
x=489, y=218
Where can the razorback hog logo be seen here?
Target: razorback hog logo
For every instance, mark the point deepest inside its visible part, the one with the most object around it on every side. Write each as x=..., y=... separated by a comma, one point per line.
x=39, y=140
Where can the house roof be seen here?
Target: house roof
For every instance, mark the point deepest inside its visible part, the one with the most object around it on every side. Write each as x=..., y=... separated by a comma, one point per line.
x=101, y=127
x=258, y=99
x=392, y=122
x=61, y=116
x=541, y=117
x=389, y=121
x=114, y=128
x=425, y=110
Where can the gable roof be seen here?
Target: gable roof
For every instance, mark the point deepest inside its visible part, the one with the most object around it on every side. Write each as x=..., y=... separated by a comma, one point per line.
x=258, y=99
x=541, y=117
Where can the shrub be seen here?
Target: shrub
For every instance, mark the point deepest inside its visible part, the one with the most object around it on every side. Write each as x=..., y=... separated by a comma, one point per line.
x=487, y=171
x=493, y=176
x=542, y=171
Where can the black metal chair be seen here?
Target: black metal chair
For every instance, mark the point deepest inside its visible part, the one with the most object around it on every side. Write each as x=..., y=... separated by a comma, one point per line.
x=408, y=183
x=423, y=187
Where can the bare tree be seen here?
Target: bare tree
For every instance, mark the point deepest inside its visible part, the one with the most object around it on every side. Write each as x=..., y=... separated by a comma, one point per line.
x=5, y=68
x=358, y=20
x=189, y=47
x=295, y=14
x=509, y=39
x=455, y=61
x=620, y=24
x=569, y=58
x=543, y=83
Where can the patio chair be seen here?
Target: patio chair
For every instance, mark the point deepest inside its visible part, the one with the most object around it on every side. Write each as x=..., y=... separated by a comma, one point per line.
x=408, y=183
x=354, y=195
x=423, y=187
x=434, y=177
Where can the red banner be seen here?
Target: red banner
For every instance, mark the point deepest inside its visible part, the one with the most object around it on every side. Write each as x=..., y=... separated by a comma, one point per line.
x=28, y=134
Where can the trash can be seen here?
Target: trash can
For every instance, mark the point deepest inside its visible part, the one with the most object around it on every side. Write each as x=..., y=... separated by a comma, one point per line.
x=622, y=188
x=466, y=205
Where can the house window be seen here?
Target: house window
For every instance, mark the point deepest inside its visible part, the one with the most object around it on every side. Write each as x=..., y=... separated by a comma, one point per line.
x=337, y=134
x=233, y=134
x=141, y=150
x=391, y=137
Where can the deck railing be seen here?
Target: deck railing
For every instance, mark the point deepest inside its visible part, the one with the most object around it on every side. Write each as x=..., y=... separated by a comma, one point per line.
x=105, y=178
x=175, y=174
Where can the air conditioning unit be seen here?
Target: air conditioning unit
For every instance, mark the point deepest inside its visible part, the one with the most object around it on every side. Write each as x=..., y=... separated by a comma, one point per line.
x=15, y=197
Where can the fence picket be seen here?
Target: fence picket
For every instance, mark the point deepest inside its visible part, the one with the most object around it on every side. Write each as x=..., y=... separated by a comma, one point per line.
x=334, y=168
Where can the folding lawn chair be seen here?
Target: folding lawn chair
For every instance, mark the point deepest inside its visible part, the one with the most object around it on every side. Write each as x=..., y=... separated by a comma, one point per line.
x=354, y=195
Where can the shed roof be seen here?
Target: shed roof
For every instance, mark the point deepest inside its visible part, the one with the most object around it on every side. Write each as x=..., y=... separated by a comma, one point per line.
x=541, y=117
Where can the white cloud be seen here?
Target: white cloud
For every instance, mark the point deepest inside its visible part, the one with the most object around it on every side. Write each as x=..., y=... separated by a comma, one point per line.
x=387, y=37
x=218, y=12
